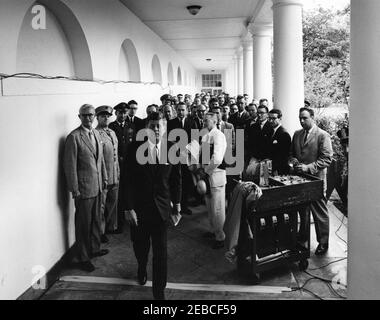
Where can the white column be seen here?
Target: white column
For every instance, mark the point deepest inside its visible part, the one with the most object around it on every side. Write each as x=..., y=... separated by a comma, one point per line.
x=248, y=66
x=236, y=77
x=240, y=71
x=364, y=187
x=288, y=60
x=262, y=62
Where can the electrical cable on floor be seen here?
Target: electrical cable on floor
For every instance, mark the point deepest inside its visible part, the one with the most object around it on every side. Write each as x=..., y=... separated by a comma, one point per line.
x=28, y=75
x=329, y=284
x=329, y=264
x=336, y=232
x=301, y=288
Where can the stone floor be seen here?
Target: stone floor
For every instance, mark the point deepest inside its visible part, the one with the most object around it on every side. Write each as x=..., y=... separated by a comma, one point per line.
x=192, y=261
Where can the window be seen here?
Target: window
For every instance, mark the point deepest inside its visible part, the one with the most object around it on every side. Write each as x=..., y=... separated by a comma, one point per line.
x=211, y=80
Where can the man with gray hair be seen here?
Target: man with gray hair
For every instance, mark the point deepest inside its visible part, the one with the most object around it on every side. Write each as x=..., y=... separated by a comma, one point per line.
x=86, y=179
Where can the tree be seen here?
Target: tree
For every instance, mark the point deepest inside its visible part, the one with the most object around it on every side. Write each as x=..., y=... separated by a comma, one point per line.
x=326, y=56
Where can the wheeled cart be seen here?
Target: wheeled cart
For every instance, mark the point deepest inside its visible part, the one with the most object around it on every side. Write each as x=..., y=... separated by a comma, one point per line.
x=269, y=235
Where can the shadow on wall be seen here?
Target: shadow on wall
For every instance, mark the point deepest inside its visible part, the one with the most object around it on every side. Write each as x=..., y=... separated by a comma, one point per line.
x=63, y=196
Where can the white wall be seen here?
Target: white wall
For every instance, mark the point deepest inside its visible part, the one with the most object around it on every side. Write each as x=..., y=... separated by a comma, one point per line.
x=36, y=213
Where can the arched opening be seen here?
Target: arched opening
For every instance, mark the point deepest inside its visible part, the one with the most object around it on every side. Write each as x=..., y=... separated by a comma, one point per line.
x=170, y=74
x=156, y=70
x=59, y=50
x=179, y=76
x=129, y=65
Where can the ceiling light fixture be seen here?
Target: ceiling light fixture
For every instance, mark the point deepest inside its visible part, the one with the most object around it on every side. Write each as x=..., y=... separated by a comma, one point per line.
x=194, y=9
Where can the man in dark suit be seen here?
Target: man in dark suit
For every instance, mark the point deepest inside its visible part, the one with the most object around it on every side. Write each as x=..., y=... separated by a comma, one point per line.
x=312, y=153
x=86, y=176
x=182, y=121
x=280, y=143
x=125, y=134
x=198, y=121
x=239, y=119
x=150, y=188
x=135, y=122
x=259, y=135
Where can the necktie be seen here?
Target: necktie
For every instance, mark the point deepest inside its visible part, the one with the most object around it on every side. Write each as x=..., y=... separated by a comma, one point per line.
x=305, y=138
x=218, y=125
x=92, y=139
x=157, y=154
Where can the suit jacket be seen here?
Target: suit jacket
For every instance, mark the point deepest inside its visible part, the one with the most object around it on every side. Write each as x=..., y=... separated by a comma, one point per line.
x=196, y=124
x=316, y=153
x=279, y=149
x=176, y=124
x=239, y=122
x=110, y=152
x=137, y=124
x=151, y=186
x=228, y=129
x=258, y=142
x=124, y=138
x=84, y=167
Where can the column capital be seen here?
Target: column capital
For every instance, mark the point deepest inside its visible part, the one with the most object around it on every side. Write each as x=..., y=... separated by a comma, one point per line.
x=261, y=30
x=247, y=42
x=281, y=3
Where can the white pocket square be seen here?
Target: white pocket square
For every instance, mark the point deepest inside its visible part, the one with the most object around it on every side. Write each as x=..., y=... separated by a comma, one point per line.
x=275, y=142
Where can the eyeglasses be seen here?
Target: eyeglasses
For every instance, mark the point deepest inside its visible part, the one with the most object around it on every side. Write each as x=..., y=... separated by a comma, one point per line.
x=89, y=115
x=262, y=112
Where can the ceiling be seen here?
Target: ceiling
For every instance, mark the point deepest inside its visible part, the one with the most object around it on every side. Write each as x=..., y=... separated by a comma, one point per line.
x=215, y=32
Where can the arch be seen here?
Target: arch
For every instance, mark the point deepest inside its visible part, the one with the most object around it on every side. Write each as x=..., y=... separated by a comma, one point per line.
x=170, y=74
x=129, y=65
x=61, y=49
x=156, y=70
x=179, y=76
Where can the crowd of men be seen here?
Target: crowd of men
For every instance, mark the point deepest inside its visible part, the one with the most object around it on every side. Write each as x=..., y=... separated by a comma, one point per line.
x=111, y=187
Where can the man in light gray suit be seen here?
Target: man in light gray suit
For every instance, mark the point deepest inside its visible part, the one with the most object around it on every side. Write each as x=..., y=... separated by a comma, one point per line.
x=86, y=179
x=312, y=149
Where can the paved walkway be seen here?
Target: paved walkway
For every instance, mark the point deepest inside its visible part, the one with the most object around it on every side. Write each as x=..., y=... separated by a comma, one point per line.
x=198, y=272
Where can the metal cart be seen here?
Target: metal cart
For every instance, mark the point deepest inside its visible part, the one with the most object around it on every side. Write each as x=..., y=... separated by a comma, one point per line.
x=268, y=235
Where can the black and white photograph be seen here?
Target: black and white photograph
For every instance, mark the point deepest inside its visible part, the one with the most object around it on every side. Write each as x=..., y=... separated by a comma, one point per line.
x=206, y=151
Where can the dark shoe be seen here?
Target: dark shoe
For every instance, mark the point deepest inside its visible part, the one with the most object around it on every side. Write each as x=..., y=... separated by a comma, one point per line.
x=104, y=239
x=100, y=253
x=142, y=277
x=208, y=235
x=218, y=245
x=159, y=296
x=86, y=266
x=321, y=249
x=186, y=211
